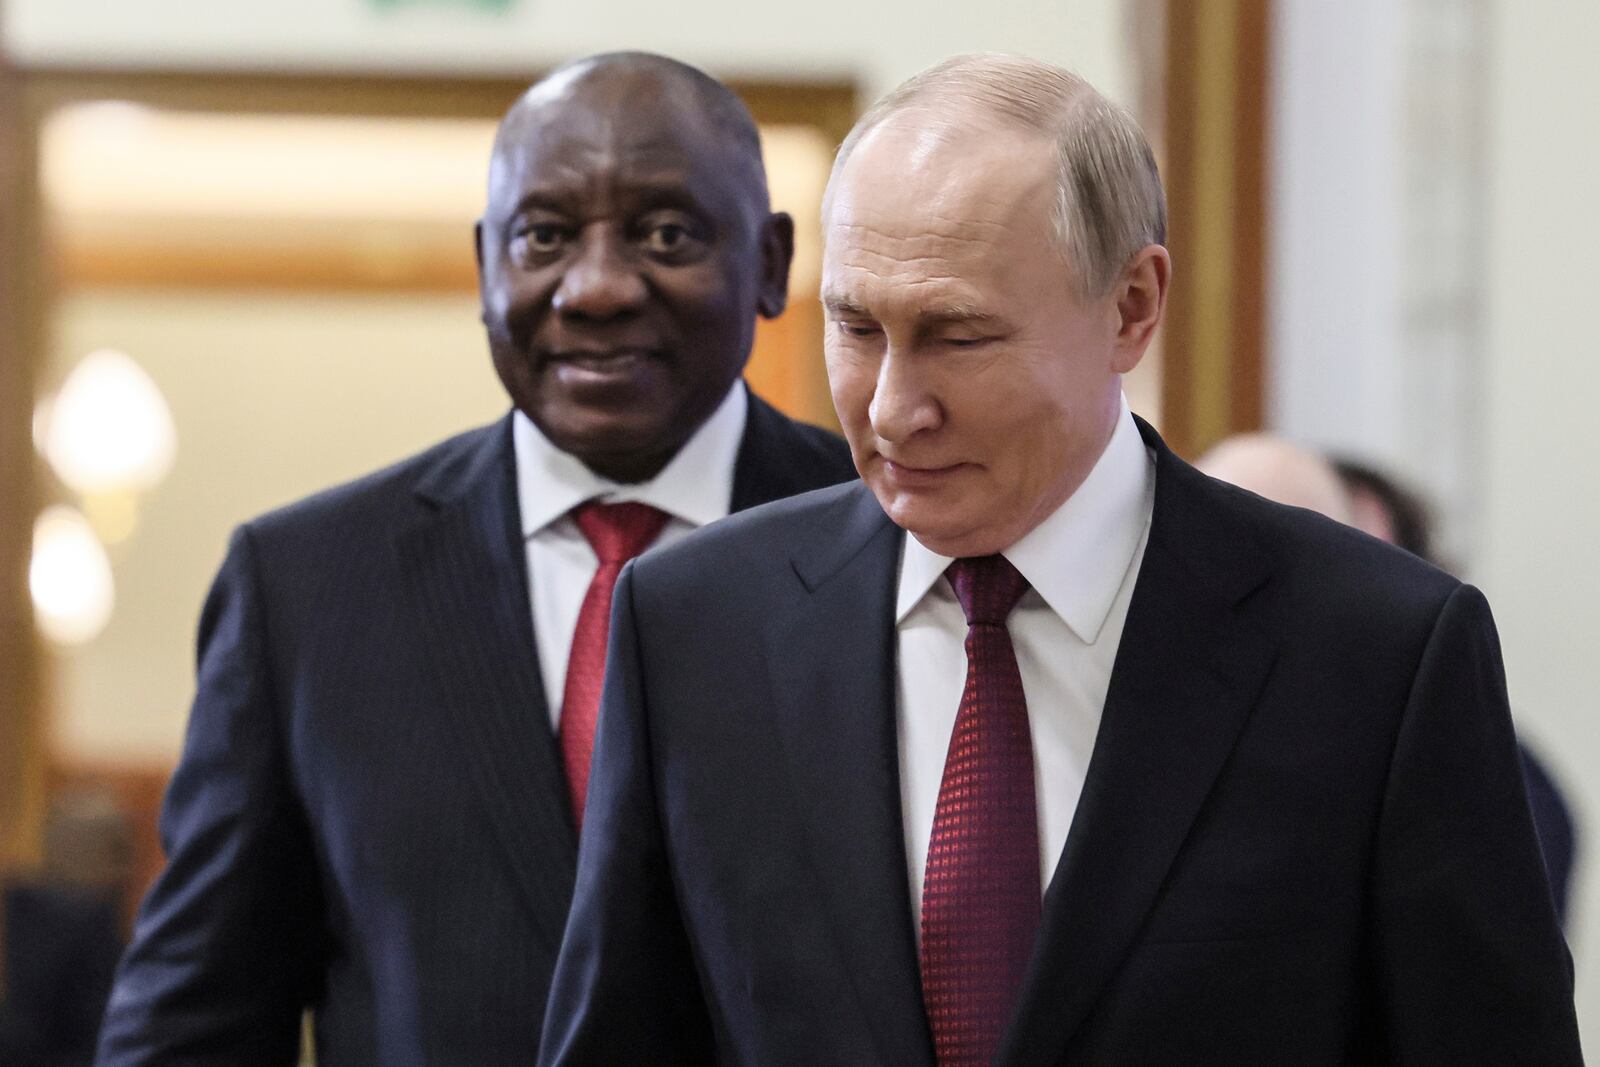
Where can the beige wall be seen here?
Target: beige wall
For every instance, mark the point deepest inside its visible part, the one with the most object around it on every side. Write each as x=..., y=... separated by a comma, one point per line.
x=1539, y=398
x=274, y=396
x=876, y=44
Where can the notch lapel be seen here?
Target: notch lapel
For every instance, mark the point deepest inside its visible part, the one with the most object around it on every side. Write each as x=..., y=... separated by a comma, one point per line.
x=833, y=662
x=466, y=569
x=1188, y=670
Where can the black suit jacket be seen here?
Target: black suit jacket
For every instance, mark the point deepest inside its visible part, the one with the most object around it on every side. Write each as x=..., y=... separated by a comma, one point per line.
x=1303, y=837
x=61, y=944
x=370, y=817
x=1552, y=822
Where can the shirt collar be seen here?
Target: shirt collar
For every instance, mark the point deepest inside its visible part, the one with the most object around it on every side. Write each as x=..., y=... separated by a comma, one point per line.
x=1077, y=558
x=695, y=486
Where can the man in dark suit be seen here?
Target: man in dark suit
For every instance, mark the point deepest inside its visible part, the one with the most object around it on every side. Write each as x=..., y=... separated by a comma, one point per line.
x=1106, y=762
x=1391, y=512
x=374, y=816
x=1372, y=502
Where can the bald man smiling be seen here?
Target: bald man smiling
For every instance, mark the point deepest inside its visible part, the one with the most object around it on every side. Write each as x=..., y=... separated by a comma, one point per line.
x=377, y=810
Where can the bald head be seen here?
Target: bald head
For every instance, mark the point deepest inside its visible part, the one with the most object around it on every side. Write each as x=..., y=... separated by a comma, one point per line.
x=1271, y=467
x=662, y=88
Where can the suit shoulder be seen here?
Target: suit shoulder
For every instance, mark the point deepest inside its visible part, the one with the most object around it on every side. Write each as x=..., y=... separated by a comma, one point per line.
x=377, y=500
x=1344, y=569
x=756, y=538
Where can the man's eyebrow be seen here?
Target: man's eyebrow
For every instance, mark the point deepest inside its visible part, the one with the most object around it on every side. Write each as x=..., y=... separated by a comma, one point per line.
x=557, y=200
x=956, y=314
x=669, y=194
x=841, y=305
x=946, y=315
x=644, y=195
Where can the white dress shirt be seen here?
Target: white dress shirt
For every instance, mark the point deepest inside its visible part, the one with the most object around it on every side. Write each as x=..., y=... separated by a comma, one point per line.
x=1081, y=564
x=695, y=488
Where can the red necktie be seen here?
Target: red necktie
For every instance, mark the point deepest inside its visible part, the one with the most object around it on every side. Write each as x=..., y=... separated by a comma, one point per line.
x=617, y=533
x=980, y=894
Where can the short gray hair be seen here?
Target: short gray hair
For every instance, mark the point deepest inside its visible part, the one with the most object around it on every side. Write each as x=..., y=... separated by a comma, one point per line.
x=1110, y=202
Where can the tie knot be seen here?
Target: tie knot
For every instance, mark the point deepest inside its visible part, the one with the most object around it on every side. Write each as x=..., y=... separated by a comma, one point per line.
x=988, y=588
x=618, y=532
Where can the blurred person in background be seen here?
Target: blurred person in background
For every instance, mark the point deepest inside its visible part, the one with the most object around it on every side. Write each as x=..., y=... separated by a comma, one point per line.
x=1384, y=508
x=1280, y=471
x=1361, y=496
x=1038, y=746
x=63, y=934
x=377, y=810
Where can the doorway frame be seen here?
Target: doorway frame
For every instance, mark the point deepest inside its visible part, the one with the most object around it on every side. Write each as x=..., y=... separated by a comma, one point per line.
x=31, y=282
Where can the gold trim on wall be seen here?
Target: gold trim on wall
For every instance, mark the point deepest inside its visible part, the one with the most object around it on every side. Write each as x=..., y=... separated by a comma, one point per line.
x=294, y=255
x=22, y=756
x=1216, y=118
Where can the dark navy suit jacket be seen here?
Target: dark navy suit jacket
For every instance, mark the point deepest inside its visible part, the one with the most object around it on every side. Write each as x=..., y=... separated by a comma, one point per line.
x=370, y=817
x=1303, y=837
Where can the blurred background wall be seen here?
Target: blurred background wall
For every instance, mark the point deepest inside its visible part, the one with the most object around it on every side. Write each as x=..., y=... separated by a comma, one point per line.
x=1432, y=206
x=1541, y=376
x=1381, y=212
x=872, y=45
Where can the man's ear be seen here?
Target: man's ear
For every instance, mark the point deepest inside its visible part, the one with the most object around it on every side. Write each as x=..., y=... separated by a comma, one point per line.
x=1141, y=295
x=477, y=255
x=777, y=252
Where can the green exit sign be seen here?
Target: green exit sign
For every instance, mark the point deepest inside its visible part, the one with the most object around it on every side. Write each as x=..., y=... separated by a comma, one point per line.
x=497, y=7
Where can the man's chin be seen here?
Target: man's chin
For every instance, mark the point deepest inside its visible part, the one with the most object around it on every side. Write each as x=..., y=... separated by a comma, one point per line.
x=938, y=527
x=614, y=443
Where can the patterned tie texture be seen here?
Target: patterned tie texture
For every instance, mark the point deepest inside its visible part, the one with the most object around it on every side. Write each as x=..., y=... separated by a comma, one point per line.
x=617, y=533
x=980, y=893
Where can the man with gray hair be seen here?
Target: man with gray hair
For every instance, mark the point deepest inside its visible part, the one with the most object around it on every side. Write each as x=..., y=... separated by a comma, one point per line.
x=1039, y=746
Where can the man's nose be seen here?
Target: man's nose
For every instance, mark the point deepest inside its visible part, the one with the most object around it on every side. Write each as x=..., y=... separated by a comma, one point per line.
x=601, y=282
x=903, y=405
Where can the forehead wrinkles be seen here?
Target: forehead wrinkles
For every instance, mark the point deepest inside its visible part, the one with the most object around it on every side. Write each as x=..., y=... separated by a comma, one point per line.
x=595, y=142
x=864, y=248
x=906, y=216
x=595, y=173
x=958, y=259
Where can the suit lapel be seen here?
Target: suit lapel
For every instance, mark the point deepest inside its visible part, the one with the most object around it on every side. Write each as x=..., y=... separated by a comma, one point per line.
x=1188, y=670
x=834, y=668
x=465, y=567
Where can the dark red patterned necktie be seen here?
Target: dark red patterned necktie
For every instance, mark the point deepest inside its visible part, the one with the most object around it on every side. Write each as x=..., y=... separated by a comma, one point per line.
x=980, y=894
x=617, y=533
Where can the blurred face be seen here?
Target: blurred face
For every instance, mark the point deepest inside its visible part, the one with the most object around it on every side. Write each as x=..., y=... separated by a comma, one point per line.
x=623, y=257
x=1370, y=515
x=976, y=389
